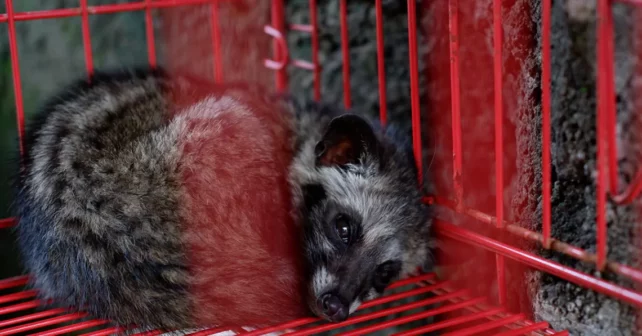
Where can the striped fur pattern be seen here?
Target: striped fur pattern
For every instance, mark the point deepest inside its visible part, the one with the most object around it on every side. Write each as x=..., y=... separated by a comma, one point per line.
x=130, y=208
x=172, y=203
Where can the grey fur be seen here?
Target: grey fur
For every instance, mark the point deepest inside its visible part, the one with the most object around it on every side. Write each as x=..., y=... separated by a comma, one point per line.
x=380, y=190
x=96, y=202
x=98, y=198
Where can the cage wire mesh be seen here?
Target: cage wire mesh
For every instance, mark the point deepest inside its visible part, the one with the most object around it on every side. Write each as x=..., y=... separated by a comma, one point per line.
x=546, y=72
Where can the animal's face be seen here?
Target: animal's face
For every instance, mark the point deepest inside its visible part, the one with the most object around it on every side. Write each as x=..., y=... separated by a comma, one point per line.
x=362, y=220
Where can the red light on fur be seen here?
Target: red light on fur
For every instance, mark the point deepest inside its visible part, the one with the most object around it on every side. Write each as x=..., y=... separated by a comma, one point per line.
x=242, y=242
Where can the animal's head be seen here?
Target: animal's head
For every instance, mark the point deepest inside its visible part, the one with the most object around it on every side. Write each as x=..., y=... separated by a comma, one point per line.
x=364, y=222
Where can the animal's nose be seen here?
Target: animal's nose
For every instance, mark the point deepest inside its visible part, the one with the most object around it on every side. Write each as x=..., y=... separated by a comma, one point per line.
x=333, y=308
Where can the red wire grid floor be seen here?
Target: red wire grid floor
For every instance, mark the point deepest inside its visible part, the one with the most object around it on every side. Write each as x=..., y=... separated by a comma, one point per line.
x=22, y=313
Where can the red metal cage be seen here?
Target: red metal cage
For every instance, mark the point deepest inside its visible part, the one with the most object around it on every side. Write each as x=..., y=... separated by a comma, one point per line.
x=462, y=311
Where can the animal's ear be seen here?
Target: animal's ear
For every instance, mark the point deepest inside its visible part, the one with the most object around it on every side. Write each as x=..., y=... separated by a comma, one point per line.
x=346, y=140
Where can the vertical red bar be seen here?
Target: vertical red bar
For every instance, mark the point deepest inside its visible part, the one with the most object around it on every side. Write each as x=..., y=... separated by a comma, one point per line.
x=453, y=7
x=383, y=113
x=414, y=86
x=15, y=71
x=546, y=123
x=216, y=42
x=609, y=95
x=149, y=30
x=604, y=16
x=345, y=50
x=86, y=38
x=499, y=140
x=315, y=50
x=278, y=22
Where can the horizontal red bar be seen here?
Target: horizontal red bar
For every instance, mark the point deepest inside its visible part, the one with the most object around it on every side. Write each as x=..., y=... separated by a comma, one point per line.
x=14, y=282
x=7, y=222
x=381, y=300
x=451, y=322
x=17, y=296
x=102, y=9
x=524, y=330
x=19, y=307
x=70, y=328
x=380, y=313
x=487, y=326
x=587, y=281
x=39, y=324
x=105, y=332
x=31, y=317
x=413, y=280
x=556, y=245
x=414, y=317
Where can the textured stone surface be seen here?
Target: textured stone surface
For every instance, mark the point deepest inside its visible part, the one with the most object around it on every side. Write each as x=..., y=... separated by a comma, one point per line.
x=582, y=311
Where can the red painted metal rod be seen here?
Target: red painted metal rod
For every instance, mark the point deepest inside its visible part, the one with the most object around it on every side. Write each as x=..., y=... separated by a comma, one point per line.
x=15, y=72
x=451, y=322
x=487, y=326
x=14, y=282
x=315, y=50
x=414, y=87
x=499, y=141
x=102, y=9
x=381, y=65
x=603, y=105
x=453, y=26
x=149, y=32
x=7, y=222
x=556, y=245
x=525, y=330
x=86, y=38
x=19, y=307
x=40, y=324
x=31, y=317
x=17, y=296
x=71, y=328
x=216, y=42
x=378, y=314
x=414, y=317
x=587, y=281
x=546, y=123
x=106, y=332
x=381, y=300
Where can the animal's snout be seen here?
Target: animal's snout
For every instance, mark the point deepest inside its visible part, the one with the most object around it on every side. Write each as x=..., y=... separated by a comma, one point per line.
x=333, y=307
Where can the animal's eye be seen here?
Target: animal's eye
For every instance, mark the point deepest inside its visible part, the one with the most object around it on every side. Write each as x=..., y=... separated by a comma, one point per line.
x=343, y=228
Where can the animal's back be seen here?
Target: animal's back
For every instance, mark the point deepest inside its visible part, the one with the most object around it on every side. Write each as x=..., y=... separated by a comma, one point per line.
x=97, y=199
x=131, y=203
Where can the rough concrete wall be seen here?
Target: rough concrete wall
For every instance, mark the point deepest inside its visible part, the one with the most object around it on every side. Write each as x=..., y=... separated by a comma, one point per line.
x=564, y=305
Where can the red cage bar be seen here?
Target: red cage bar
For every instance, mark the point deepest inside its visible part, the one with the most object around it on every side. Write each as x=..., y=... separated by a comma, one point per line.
x=499, y=141
x=345, y=50
x=476, y=314
x=453, y=26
